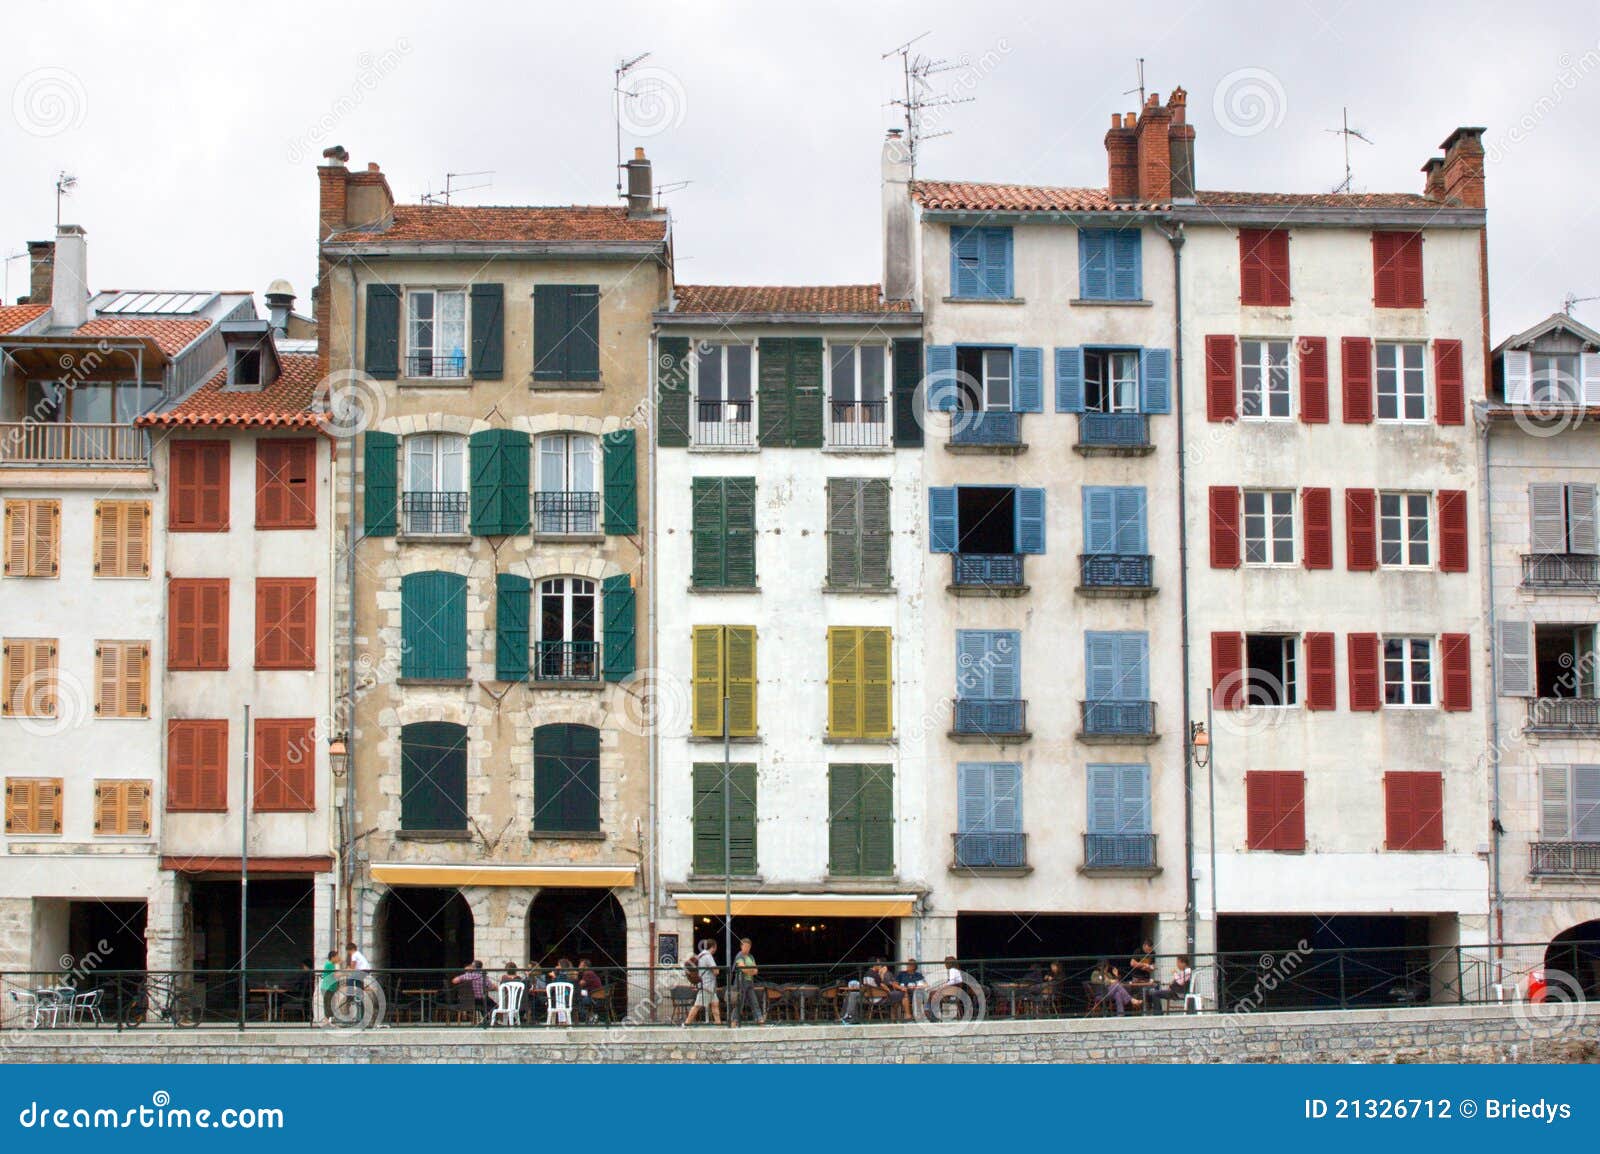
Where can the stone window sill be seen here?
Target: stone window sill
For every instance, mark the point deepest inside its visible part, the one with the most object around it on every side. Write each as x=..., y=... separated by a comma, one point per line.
x=859, y=590
x=594, y=686
x=1139, y=304
x=860, y=741
x=448, y=682
x=991, y=871
x=706, y=739
x=433, y=382
x=984, y=300
x=433, y=835
x=566, y=835
x=565, y=386
x=717, y=590
x=571, y=538
x=434, y=538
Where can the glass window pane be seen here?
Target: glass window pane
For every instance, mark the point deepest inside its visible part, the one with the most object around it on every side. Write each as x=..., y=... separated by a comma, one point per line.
x=708, y=372
x=91, y=402
x=872, y=360
x=738, y=372
x=842, y=366
x=583, y=471
x=997, y=378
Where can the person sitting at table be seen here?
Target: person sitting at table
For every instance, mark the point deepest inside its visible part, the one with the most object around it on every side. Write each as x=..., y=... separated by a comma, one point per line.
x=477, y=983
x=1175, y=990
x=912, y=981
x=563, y=972
x=589, y=987
x=1142, y=966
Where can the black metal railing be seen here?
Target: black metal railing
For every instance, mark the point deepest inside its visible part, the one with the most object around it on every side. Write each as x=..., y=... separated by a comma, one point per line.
x=566, y=661
x=1561, y=571
x=1563, y=715
x=990, y=717
x=424, y=514
x=982, y=850
x=1581, y=858
x=1119, y=851
x=1117, y=570
x=723, y=423
x=997, y=428
x=450, y=366
x=1113, y=430
x=987, y=570
x=858, y=424
x=1113, y=718
x=566, y=512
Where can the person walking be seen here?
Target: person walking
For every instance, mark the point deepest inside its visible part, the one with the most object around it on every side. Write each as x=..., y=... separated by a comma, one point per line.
x=705, y=971
x=744, y=993
x=328, y=985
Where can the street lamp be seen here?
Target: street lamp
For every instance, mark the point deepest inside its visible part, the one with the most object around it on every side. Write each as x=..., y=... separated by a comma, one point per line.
x=1200, y=742
x=1200, y=750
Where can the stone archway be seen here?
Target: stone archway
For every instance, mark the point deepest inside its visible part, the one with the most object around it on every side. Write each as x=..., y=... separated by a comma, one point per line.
x=1575, y=952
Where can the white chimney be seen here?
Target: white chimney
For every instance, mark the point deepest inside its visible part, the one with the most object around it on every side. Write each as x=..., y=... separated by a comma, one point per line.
x=899, y=222
x=69, y=285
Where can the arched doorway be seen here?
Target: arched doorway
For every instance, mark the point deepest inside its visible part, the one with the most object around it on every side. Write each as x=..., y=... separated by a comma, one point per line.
x=1576, y=952
x=577, y=923
x=424, y=928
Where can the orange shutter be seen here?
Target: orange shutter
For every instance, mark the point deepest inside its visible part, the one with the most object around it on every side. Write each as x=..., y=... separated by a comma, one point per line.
x=197, y=777
x=197, y=623
x=199, y=486
x=285, y=494
x=30, y=678
x=285, y=758
x=33, y=805
x=33, y=538
x=286, y=611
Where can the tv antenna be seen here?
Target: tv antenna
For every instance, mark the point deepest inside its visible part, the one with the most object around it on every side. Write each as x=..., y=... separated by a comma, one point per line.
x=1348, y=133
x=65, y=183
x=1570, y=302
x=618, y=95
x=664, y=189
x=919, y=96
x=1140, y=89
x=451, y=188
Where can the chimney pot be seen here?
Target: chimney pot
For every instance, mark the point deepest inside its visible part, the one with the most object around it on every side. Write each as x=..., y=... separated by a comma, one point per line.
x=641, y=191
x=69, y=282
x=372, y=166
x=1129, y=119
x=336, y=155
x=638, y=152
x=41, y=271
x=1462, y=173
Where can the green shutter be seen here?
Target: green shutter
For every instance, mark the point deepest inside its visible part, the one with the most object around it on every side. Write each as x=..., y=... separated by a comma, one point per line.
x=483, y=454
x=511, y=627
x=876, y=537
x=433, y=776
x=622, y=488
x=844, y=820
x=775, y=396
x=907, y=377
x=844, y=532
x=583, y=332
x=516, y=451
x=710, y=540
x=740, y=527
x=672, y=392
x=433, y=626
x=877, y=820
x=860, y=820
x=499, y=459
x=381, y=489
x=805, y=393
x=566, y=779
x=383, y=331
x=617, y=603
x=549, y=332
x=488, y=331
x=708, y=818
x=724, y=524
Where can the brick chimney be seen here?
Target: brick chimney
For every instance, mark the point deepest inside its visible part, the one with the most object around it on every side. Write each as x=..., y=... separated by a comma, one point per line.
x=1122, y=158
x=1180, y=147
x=1433, y=178
x=1463, y=168
x=345, y=200
x=41, y=271
x=1155, y=159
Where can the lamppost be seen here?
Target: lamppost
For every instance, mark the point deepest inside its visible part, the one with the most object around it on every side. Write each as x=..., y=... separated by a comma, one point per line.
x=1200, y=751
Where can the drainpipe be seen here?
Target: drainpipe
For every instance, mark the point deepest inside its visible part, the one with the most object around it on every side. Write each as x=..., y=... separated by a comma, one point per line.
x=1175, y=238
x=350, y=655
x=651, y=864
x=1485, y=506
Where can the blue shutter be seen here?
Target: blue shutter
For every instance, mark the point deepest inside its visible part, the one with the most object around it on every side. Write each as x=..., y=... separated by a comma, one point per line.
x=966, y=262
x=997, y=247
x=1132, y=667
x=1128, y=535
x=940, y=387
x=1069, y=380
x=1102, y=798
x=1127, y=265
x=1030, y=520
x=1005, y=665
x=1005, y=797
x=974, y=787
x=1030, y=380
x=942, y=519
x=1094, y=264
x=1133, y=799
x=1155, y=380
x=1099, y=519
x=972, y=665
x=1100, y=665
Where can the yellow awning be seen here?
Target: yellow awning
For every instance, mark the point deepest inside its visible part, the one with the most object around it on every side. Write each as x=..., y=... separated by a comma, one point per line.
x=585, y=877
x=802, y=905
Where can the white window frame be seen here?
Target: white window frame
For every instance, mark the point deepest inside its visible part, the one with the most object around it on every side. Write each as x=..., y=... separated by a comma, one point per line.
x=848, y=430
x=1289, y=662
x=1409, y=681
x=1540, y=377
x=436, y=357
x=569, y=485
x=569, y=589
x=1260, y=367
x=1123, y=387
x=413, y=446
x=1407, y=519
x=1399, y=377
x=1267, y=517
x=991, y=379
x=744, y=436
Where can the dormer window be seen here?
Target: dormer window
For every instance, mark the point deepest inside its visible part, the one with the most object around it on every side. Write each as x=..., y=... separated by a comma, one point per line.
x=246, y=371
x=1554, y=379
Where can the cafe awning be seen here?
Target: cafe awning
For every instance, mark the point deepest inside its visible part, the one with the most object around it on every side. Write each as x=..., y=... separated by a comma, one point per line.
x=573, y=876
x=801, y=905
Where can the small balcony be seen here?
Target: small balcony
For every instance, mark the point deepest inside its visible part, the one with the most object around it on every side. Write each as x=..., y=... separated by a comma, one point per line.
x=451, y=367
x=991, y=851
x=561, y=514
x=990, y=432
x=1579, y=571
x=434, y=514
x=724, y=425
x=1116, y=575
x=989, y=720
x=566, y=661
x=1116, y=722
x=987, y=574
x=1558, y=716
x=1113, y=435
x=858, y=425
x=1133, y=853
x=1564, y=859
x=73, y=445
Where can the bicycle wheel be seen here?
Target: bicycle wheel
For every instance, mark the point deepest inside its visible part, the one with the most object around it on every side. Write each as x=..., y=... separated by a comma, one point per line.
x=134, y=1011
x=183, y=1012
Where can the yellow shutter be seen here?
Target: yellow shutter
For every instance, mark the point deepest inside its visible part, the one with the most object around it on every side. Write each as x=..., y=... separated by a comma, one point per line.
x=707, y=662
x=139, y=692
x=844, y=682
x=122, y=538
x=740, y=643
x=107, y=517
x=877, y=710
x=136, y=808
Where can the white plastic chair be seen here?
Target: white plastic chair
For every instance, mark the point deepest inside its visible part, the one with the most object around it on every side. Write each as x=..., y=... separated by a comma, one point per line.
x=508, y=1003
x=1194, y=1001
x=558, y=999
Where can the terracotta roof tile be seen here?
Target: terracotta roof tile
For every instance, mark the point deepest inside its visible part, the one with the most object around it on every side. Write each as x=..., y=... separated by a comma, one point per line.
x=290, y=401
x=1317, y=199
x=171, y=334
x=729, y=298
x=13, y=317
x=969, y=196
x=441, y=222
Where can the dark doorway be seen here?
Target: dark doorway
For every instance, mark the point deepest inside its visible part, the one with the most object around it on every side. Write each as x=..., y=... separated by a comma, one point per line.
x=1007, y=945
x=107, y=937
x=425, y=928
x=986, y=519
x=1563, y=656
x=280, y=921
x=1576, y=953
x=807, y=949
x=1346, y=960
x=577, y=923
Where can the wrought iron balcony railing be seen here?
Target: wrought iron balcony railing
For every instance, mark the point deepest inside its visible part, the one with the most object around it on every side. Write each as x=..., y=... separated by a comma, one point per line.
x=451, y=366
x=1113, y=718
x=980, y=850
x=1561, y=570
x=1564, y=715
x=1577, y=858
x=987, y=570
x=434, y=514
x=1113, y=431
x=566, y=661
x=73, y=444
x=1119, y=851
x=724, y=423
x=1117, y=570
x=566, y=512
x=996, y=428
x=990, y=717
x=858, y=425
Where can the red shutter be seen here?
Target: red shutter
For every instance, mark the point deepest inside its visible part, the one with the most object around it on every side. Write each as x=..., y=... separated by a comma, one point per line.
x=1264, y=266
x=285, y=493
x=1316, y=511
x=197, y=771
x=286, y=611
x=1275, y=815
x=182, y=647
x=1449, y=384
x=183, y=491
x=1385, y=277
x=1455, y=660
x=198, y=501
x=1314, y=380
x=1397, y=270
x=1322, y=691
x=1361, y=530
x=271, y=493
x=1355, y=367
x=1291, y=811
x=1222, y=392
x=181, y=781
x=285, y=757
x=1413, y=811
x=213, y=649
x=197, y=623
x=1408, y=261
x=1452, y=531
x=1366, y=690
x=1227, y=670
x=268, y=755
x=1225, y=536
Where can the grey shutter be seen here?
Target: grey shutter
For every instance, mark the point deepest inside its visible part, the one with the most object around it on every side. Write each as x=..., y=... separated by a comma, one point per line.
x=1555, y=822
x=1548, y=531
x=973, y=786
x=1585, y=808
x=844, y=532
x=1515, y=650
x=382, y=358
x=488, y=331
x=875, y=533
x=1580, y=518
x=583, y=332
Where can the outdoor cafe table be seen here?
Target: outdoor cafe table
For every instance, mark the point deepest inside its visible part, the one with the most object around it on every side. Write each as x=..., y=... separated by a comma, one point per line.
x=270, y=994
x=1012, y=992
x=425, y=996
x=797, y=995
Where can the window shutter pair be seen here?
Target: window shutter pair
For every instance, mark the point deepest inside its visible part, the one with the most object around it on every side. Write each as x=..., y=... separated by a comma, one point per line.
x=122, y=679
x=1413, y=806
x=790, y=412
x=1455, y=666
x=284, y=758
x=566, y=332
x=33, y=538
x=988, y=664
x=1264, y=267
x=1114, y=520
x=433, y=777
x=380, y=483
x=1355, y=367
x=433, y=626
x=1569, y=802
x=33, y=805
x=724, y=529
x=724, y=665
x=566, y=779
x=621, y=483
x=286, y=496
x=1228, y=671
x=990, y=799
x=197, y=500
x=709, y=812
x=197, y=623
x=672, y=392
x=1397, y=270
x=30, y=677
x=122, y=538
x=1119, y=800
x=286, y=622
x=197, y=766
x=1275, y=811
x=488, y=331
x=907, y=379
x=1562, y=518
x=1110, y=264
x=1116, y=666
x=980, y=263
x=382, y=349
x=122, y=808
x=858, y=533
x=500, y=505
x=860, y=683
x=860, y=820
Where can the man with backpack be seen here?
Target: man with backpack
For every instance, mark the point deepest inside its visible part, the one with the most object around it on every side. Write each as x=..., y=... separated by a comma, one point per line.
x=701, y=971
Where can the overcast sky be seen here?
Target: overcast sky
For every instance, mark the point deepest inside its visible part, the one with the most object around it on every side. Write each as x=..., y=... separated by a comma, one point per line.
x=193, y=128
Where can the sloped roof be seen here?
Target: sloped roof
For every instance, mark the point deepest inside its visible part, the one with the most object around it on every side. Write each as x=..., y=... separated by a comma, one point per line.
x=727, y=298
x=14, y=317
x=421, y=223
x=972, y=196
x=171, y=334
x=289, y=401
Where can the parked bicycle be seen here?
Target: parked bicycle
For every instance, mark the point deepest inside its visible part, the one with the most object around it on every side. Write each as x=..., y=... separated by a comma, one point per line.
x=159, y=999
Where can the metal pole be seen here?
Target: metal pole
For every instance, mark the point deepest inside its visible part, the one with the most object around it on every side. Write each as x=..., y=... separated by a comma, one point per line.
x=244, y=869
x=1211, y=804
x=727, y=856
